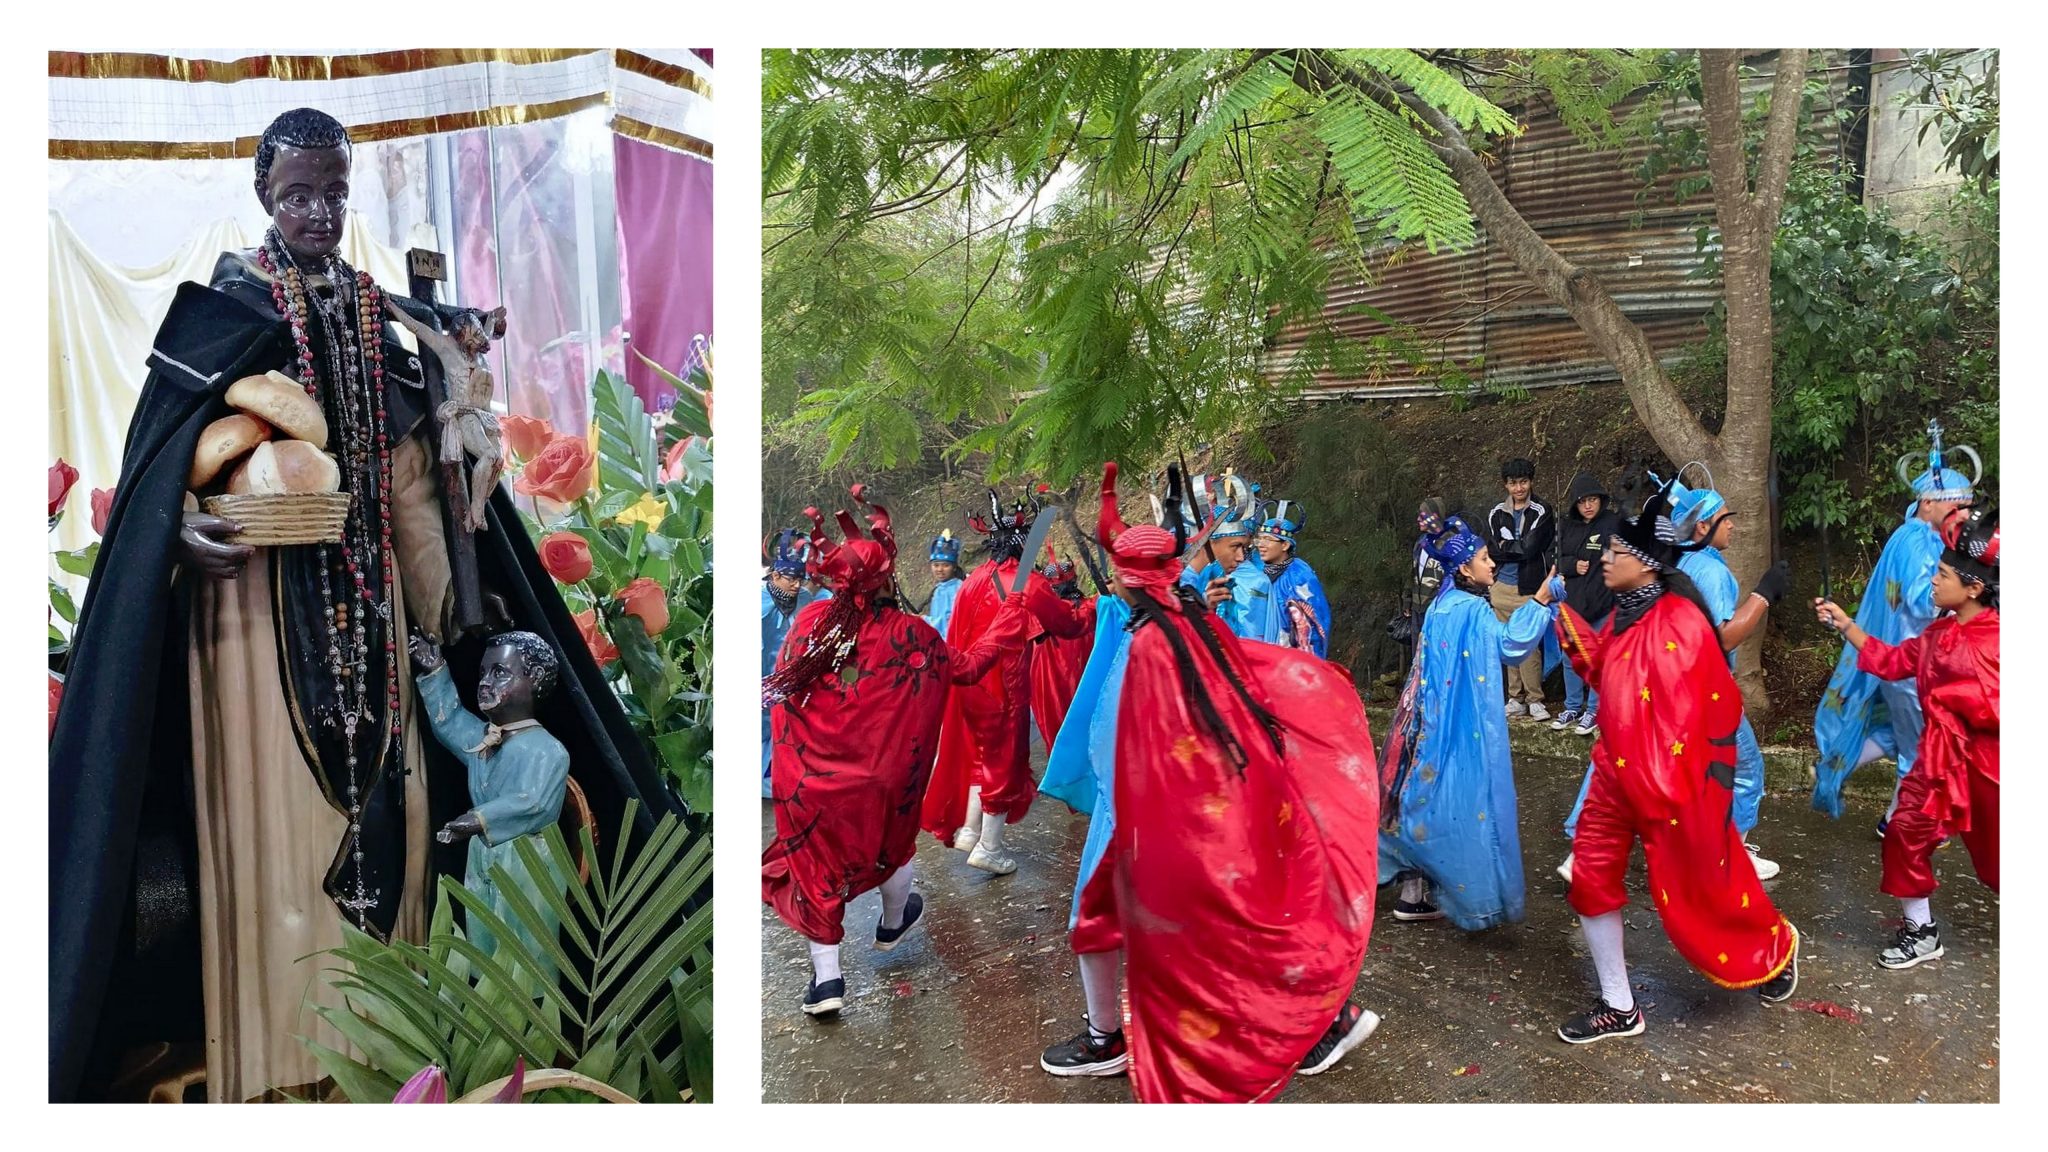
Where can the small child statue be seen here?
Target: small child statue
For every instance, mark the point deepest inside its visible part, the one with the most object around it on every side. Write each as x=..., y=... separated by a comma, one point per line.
x=517, y=772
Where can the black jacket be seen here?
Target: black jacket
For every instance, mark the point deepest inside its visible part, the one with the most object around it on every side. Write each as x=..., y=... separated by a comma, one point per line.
x=1581, y=539
x=1532, y=549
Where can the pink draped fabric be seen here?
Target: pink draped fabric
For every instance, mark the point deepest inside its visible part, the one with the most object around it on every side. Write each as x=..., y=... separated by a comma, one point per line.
x=665, y=253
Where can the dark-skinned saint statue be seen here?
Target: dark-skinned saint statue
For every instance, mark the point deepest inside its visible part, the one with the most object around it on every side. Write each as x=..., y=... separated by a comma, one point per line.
x=238, y=768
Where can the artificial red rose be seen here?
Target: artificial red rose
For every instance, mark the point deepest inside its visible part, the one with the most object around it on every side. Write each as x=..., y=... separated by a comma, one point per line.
x=56, y=694
x=62, y=477
x=672, y=468
x=562, y=472
x=601, y=649
x=102, y=504
x=525, y=435
x=566, y=556
x=645, y=599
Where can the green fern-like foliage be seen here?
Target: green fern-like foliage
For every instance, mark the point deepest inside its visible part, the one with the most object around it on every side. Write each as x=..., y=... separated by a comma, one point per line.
x=622, y=993
x=1059, y=257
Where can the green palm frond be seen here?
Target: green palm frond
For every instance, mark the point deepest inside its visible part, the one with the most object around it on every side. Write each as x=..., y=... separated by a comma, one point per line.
x=605, y=996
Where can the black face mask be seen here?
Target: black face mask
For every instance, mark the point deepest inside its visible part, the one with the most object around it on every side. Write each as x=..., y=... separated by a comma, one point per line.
x=784, y=601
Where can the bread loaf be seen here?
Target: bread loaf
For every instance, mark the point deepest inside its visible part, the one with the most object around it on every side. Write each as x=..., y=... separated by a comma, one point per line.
x=283, y=468
x=222, y=442
x=282, y=401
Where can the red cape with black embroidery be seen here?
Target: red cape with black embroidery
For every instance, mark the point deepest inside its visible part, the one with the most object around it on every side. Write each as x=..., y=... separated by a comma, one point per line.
x=1242, y=870
x=1663, y=772
x=853, y=742
x=985, y=740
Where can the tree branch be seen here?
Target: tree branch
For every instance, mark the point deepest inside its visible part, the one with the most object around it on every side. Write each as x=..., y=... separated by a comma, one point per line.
x=1774, y=167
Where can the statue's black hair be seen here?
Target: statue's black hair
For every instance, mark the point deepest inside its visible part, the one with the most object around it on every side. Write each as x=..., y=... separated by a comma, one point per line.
x=541, y=662
x=298, y=128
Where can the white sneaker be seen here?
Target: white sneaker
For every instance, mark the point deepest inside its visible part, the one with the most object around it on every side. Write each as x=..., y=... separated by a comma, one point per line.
x=1588, y=725
x=1765, y=869
x=987, y=861
x=966, y=838
x=1515, y=708
x=1565, y=869
x=1538, y=712
x=1564, y=720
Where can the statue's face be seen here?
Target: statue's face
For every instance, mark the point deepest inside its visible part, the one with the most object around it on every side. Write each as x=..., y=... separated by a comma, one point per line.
x=307, y=198
x=504, y=688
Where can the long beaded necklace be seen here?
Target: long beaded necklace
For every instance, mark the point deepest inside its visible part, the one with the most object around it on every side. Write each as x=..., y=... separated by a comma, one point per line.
x=355, y=362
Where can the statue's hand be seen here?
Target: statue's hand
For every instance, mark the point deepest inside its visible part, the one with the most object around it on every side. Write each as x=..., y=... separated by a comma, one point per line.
x=204, y=538
x=460, y=828
x=426, y=655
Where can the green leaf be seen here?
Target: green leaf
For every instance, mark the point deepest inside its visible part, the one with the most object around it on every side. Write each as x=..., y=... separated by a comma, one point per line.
x=61, y=601
x=79, y=563
x=361, y=1083
x=653, y=682
x=683, y=759
x=696, y=1051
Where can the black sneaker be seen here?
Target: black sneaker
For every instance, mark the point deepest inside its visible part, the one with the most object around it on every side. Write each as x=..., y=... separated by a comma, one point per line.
x=887, y=938
x=1780, y=987
x=1915, y=944
x=1348, y=1031
x=1601, y=1023
x=1088, y=1055
x=825, y=999
x=1420, y=910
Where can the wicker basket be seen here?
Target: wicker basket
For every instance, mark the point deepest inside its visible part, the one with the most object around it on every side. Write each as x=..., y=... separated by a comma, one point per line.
x=300, y=518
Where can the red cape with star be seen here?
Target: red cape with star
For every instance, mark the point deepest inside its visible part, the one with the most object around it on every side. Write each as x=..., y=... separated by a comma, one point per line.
x=1244, y=895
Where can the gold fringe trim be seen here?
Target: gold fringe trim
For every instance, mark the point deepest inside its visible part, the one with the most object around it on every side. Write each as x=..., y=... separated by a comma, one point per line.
x=145, y=66
x=674, y=75
x=1773, y=974
x=664, y=137
x=504, y=115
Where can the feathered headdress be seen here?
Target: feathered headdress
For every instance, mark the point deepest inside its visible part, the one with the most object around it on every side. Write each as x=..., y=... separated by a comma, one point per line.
x=859, y=569
x=787, y=553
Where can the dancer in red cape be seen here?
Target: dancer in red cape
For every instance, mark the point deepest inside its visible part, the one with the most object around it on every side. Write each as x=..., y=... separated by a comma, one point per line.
x=1953, y=787
x=983, y=781
x=1664, y=774
x=856, y=701
x=1240, y=876
x=1056, y=658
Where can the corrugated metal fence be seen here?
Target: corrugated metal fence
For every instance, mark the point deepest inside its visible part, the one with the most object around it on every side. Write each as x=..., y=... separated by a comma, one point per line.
x=1475, y=307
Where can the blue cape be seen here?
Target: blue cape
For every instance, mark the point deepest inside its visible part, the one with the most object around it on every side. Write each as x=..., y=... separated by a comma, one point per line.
x=1456, y=819
x=939, y=612
x=1298, y=581
x=1080, y=772
x=1251, y=612
x=1858, y=708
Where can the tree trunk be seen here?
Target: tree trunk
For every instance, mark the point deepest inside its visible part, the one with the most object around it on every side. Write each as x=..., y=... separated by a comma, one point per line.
x=1748, y=221
x=1740, y=456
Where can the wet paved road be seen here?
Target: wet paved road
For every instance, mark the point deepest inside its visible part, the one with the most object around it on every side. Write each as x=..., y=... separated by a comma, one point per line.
x=962, y=1009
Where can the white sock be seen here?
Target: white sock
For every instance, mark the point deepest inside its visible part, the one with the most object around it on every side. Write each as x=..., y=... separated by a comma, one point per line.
x=1918, y=914
x=1414, y=890
x=824, y=961
x=991, y=832
x=1099, y=973
x=1603, y=936
x=895, y=897
x=974, y=809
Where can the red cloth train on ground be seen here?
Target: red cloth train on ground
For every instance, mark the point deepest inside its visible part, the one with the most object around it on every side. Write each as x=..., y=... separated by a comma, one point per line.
x=853, y=733
x=1241, y=873
x=1664, y=771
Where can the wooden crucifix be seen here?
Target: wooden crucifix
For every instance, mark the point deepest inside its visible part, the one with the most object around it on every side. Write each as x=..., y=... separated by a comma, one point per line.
x=425, y=268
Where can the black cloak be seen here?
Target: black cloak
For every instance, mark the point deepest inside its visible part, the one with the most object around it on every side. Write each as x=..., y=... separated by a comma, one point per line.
x=124, y=942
